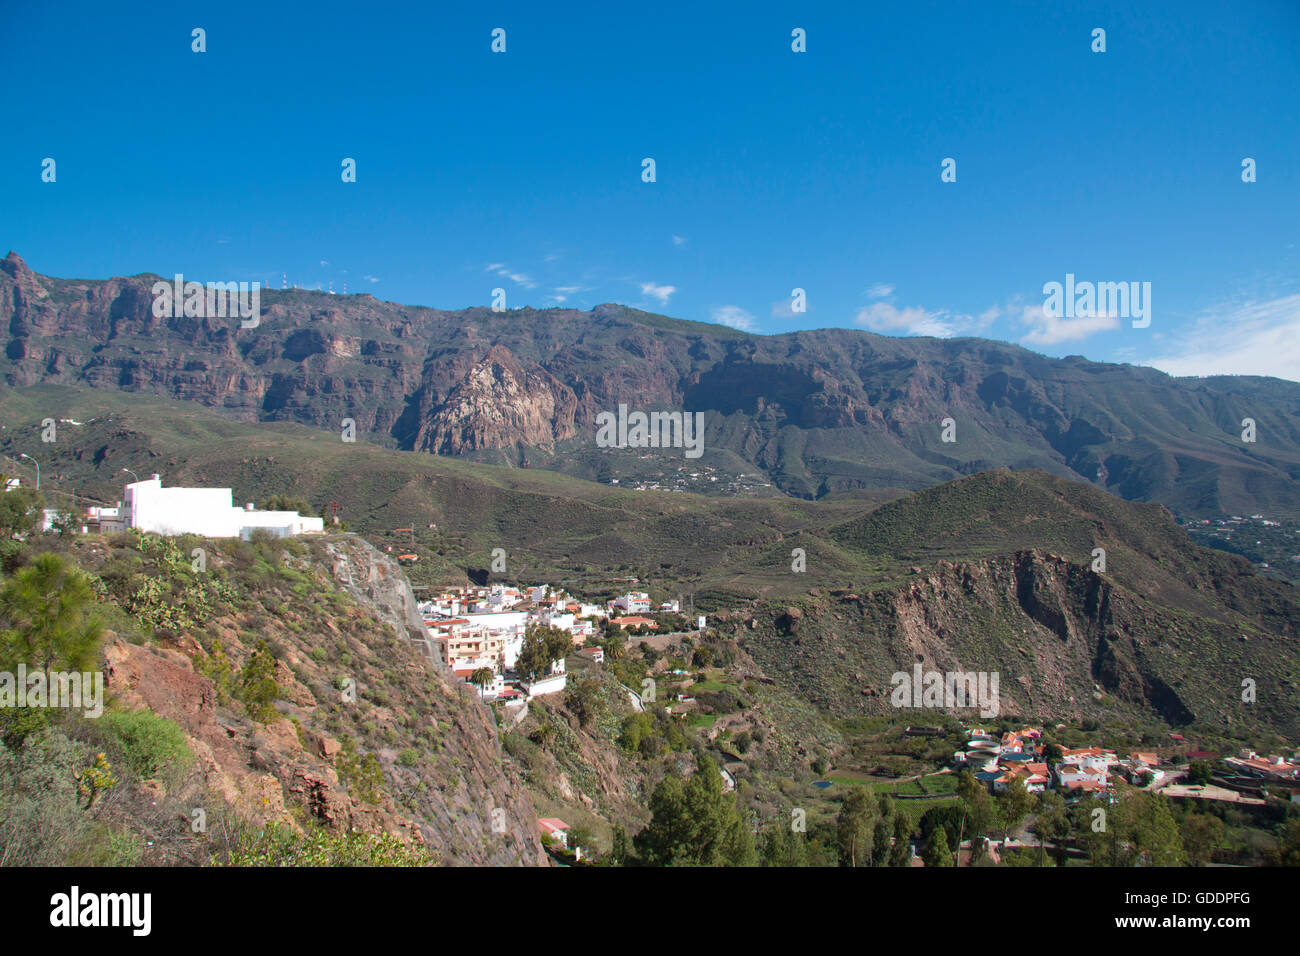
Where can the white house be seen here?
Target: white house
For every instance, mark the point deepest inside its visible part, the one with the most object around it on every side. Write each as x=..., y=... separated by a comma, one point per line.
x=1090, y=758
x=209, y=512
x=555, y=828
x=634, y=602
x=491, y=690
x=559, y=619
x=108, y=519
x=508, y=626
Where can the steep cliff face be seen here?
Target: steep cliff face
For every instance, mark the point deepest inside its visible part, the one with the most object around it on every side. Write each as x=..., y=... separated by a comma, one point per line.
x=500, y=404
x=1063, y=639
x=369, y=734
x=459, y=819
x=819, y=411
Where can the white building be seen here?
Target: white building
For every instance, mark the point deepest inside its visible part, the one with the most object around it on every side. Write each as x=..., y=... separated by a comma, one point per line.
x=490, y=691
x=557, y=619
x=1090, y=758
x=208, y=512
x=634, y=602
x=550, y=684
x=108, y=519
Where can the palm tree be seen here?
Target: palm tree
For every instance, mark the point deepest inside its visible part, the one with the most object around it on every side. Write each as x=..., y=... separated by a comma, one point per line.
x=483, y=676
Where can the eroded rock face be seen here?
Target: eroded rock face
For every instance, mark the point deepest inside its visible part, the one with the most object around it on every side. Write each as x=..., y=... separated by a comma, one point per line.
x=164, y=681
x=500, y=404
x=1046, y=625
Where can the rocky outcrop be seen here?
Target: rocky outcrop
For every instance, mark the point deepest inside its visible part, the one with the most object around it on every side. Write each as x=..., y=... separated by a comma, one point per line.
x=500, y=404
x=377, y=581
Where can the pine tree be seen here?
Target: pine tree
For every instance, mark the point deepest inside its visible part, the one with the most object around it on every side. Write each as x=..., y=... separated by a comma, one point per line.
x=46, y=612
x=936, y=851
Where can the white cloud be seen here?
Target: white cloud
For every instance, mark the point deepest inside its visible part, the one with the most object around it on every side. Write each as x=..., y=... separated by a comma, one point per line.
x=784, y=309
x=679, y=240
x=1250, y=338
x=370, y=279
x=1047, y=329
x=881, y=290
x=518, y=278
x=734, y=316
x=885, y=317
x=661, y=293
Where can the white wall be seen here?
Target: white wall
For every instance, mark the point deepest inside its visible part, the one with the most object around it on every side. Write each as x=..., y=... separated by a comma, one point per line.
x=208, y=512
x=280, y=522
x=507, y=621
x=204, y=511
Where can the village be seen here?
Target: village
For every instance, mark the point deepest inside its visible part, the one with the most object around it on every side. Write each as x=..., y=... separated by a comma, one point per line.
x=479, y=633
x=1023, y=758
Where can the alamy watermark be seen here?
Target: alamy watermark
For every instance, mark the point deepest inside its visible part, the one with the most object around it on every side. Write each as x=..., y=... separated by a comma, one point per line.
x=651, y=430
x=1121, y=300
x=216, y=300
x=954, y=689
x=70, y=691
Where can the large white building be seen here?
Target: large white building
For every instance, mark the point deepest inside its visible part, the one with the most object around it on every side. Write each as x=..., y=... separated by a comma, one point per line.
x=634, y=602
x=209, y=512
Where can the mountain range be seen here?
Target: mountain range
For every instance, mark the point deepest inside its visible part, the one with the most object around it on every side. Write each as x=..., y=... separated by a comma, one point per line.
x=815, y=414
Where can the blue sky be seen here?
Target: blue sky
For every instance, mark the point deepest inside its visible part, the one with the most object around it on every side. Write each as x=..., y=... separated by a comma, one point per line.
x=775, y=169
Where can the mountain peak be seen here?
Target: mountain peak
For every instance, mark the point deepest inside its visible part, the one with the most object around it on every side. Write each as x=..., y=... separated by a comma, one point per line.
x=13, y=264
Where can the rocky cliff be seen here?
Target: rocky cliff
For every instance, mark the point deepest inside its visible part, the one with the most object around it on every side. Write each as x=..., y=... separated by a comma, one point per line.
x=369, y=734
x=818, y=411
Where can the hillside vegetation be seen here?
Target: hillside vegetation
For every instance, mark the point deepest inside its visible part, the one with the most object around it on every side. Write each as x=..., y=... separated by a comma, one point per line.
x=259, y=712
